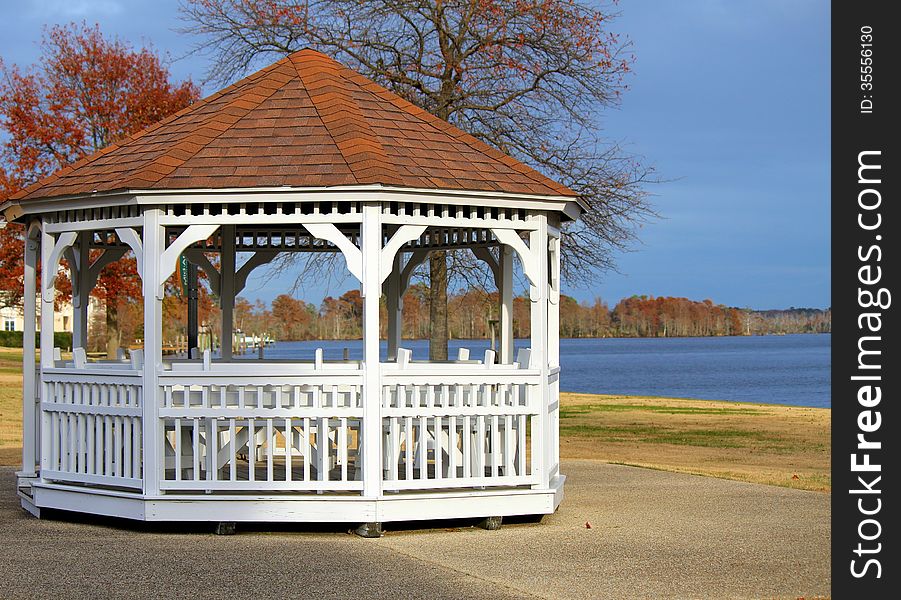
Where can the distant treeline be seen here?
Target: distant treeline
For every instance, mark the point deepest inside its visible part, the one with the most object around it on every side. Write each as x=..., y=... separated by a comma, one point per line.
x=647, y=316
x=472, y=312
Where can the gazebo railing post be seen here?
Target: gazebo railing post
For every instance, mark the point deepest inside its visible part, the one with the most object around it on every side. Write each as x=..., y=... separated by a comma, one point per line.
x=553, y=346
x=227, y=289
x=29, y=309
x=151, y=430
x=371, y=246
x=47, y=244
x=538, y=240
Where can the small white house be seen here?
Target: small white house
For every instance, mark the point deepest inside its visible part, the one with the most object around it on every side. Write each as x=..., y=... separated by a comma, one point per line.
x=303, y=156
x=13, y=318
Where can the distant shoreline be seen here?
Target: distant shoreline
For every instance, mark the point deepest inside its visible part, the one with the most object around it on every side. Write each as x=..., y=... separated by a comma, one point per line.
x=609, y=337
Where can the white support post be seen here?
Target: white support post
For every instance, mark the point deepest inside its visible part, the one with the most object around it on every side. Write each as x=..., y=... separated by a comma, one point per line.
x=553, y=346
x=48, y=275
x=227, y=289
x=151, y=434
x=553, y=323
x=538, y=240
x=83, y=289
x=505, y=285
x=395, y=308
x=372, y=290
x=29, y=409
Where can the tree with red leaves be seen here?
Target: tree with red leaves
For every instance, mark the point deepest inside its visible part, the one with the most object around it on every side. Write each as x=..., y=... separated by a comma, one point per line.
x=530, y=77
x=87, y=92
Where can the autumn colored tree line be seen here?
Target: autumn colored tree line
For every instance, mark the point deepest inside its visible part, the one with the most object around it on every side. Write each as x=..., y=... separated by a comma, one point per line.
x=471, y=316
x=472, y=313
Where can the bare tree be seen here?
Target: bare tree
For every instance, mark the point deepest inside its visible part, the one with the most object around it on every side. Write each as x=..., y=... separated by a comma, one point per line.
x=530, y=77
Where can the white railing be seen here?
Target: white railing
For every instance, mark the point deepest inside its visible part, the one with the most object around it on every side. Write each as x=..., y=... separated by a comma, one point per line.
x=238, y=428
x=261, y=430
x=91, y=426
x=452, y=426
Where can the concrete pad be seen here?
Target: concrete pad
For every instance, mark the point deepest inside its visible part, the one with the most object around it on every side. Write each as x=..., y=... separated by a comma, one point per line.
x=653, y=534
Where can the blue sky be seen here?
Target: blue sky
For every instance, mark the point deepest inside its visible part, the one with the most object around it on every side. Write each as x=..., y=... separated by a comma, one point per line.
x=729, y=100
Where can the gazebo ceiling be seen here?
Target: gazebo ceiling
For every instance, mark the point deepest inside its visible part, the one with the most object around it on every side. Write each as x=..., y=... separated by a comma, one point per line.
x=305, y=121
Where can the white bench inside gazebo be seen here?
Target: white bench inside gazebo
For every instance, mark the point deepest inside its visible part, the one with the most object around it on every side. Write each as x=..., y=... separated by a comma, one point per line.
x=217, y=438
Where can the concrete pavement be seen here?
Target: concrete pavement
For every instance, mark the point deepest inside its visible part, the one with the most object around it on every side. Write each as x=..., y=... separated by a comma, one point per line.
x=653, y=535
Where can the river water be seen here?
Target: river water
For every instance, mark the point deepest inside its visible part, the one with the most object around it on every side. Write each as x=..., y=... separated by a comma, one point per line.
x=785, y=369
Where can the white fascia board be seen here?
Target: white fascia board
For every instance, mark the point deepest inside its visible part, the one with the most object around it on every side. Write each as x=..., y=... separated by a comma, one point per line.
x=15, y=209
x=570, y=206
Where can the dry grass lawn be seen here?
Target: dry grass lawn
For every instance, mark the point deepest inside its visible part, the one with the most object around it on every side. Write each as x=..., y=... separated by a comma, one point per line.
x=10, y=406
x=762, y=443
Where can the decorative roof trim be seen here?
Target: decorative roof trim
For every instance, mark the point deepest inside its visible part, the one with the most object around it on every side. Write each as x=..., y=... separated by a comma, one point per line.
x=15, y=209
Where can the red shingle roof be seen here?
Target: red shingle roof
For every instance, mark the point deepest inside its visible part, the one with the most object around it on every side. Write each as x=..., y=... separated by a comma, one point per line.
x=304, y=121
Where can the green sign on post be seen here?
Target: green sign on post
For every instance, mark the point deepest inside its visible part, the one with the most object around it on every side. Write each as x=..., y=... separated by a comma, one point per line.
x=183, y=273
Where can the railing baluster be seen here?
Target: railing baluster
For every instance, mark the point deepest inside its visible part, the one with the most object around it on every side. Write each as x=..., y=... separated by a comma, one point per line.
x=251, y=449
x=480, y=447
x=212, y=450
x=408, y=450
x=82, y=444
x=117, y=446
x=521, y=471
x=177, y=449
x=342, y=449
x=195, y=448
x=322, y=442
x=305, y=439
x=55, y=441
x=437, y=447
x=289, y=447
x=466, y=443
x=99, y=446
x=394, y=449
x=233, y=454
x=91, y=441
x=72, y=446
x=495, y=446
x=508, y=445
x=452, y=447
x=270, y=454
x=136, y=450
x=126, y=447
x=423, y=448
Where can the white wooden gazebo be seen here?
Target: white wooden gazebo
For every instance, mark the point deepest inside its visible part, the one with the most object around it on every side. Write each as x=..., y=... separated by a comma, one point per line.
x=303, y=156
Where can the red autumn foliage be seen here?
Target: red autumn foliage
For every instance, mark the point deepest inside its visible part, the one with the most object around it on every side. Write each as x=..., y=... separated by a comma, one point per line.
x=87, y=92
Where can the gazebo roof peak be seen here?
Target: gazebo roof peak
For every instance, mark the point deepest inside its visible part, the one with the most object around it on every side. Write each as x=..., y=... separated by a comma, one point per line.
x=304, y=121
